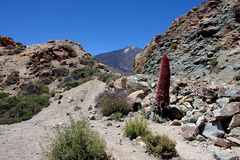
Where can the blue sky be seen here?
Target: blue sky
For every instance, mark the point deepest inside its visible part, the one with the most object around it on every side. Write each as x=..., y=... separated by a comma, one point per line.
x=99, y=25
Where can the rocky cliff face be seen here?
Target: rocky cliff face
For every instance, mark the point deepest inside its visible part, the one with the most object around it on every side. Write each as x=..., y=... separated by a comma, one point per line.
x=204, y=42
x=120, y=60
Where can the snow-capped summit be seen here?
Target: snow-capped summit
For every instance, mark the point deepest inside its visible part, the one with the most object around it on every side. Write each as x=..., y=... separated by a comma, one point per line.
x=120, y=60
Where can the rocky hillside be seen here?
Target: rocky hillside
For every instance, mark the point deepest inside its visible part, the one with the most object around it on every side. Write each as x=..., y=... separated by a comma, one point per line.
x=202, y=43
x=57, y=63
x=204, y=50
x=120, y=60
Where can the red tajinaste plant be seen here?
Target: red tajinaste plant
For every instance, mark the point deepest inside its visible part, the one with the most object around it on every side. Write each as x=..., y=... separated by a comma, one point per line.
x=162, y=92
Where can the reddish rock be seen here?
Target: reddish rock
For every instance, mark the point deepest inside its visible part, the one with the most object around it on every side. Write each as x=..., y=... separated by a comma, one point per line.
x=135, y=99
x=234, y=141
x=235, y=122
x=222, y=142
x=227, y=111
x=190, y=131
x=120, y=83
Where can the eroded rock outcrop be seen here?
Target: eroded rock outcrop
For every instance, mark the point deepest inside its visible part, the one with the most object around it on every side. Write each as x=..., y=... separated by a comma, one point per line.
x=204, y=41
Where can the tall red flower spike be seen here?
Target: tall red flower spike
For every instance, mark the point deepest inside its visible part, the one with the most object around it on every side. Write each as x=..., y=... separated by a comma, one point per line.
x=162, y=92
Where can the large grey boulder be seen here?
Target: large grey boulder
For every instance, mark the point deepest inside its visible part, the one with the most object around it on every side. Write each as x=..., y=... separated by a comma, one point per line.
x=223, y=101
x=213, y=129
x=137, y=82
x=227, y=111
x=220, y=154
x=235, y=132
x=232, y=92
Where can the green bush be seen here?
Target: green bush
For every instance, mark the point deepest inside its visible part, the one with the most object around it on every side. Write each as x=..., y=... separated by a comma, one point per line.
x=174, y=45
x=16, y=109
x=3, y=95
x=107, y=78
x=117, y=116
x=70, y=51
x=136, y=126
x=43, y=88
x=78, y=76
x=87, y=61
x=31, y=88
x=85, y=72
x=110, y=103
x=160, y=146
x=78, y=142
x=68, y=84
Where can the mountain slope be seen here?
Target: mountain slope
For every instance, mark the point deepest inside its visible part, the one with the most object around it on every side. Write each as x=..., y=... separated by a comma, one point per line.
x=120, y=60
x=203, y=42
x=51, y=63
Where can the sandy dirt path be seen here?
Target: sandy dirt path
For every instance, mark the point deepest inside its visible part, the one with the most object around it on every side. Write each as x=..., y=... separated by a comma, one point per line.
x=28, y=140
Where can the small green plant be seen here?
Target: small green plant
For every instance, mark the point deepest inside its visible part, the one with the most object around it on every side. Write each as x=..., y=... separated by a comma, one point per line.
x=37, y=88
x=174, y=45
x=68, y=84
x=78, y=142
x=136, y=126
x=85, y=72
x=87, y=61
x=160, y=146
x=110, y=103
x=117, y=116
x=43, y=88
x=70, y=50
x=107, y=78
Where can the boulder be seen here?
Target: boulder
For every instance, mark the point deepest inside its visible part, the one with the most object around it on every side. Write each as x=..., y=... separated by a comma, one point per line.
x=235, y=122
x=234, y=141
x=220, y=154
x=197, y=103
x=190, y=131
x=120, y=83
x=188, y=106
x=147, y=101
x=201, y=121
x=137, y=82
x=213, y=129
x=176, y=123
x=200, y=138
x=135, y=99
x=232, y=92
x=223, y=101
x=208, y=93
x=174, y=113
x=235, y=132
x=221, y=142
x=227, y=111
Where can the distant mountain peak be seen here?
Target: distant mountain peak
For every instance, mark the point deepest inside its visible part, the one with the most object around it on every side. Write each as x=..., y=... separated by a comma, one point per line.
x=120, y=60
x=128, y=49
